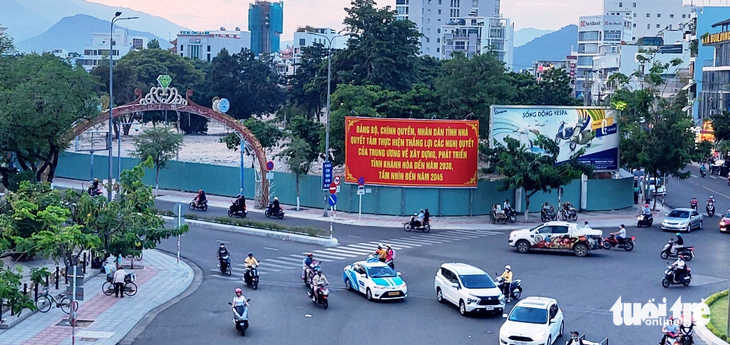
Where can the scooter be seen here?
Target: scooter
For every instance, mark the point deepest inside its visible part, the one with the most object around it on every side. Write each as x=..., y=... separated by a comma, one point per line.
x=251, y=277
x=515, y=288
x=270, y=211
x=669, y=278
x=225, y=265
x=321, y=297
x=569, y=214
x=236, y=211
x=644, y=219
x=198, y=205
x=564, y=133
x=687, y=333
x=94, y=192
x=414, y=224
x=240, y=317
x=710, y=208
x=687, y=253
x=702, y=173
x=505, y=215
x=611, y=241
x=548, y=214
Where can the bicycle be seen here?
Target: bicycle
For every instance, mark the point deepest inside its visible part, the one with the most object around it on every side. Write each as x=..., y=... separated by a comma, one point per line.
x=45, y=302
x=129, y=289
x=137, y=257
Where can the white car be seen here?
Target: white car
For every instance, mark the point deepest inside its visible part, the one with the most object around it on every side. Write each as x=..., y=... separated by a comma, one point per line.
x=469, y=288
x=533, y=320
x=658, y=191
x=374, y=279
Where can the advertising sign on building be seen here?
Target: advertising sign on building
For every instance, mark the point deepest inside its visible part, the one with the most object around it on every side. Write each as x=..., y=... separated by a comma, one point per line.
x=573, y=128
x=407, y=152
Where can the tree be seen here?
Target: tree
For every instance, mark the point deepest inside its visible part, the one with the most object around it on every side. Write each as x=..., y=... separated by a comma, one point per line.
x=307, y=130
x=297, y=155
x=159, y=143
x=521, y=168
x=381, y=50
x=721, y=125
x=153, y=44
x=554, y=89
x=6, y=44
x=347, y=100
x=41, y=99
x=10, y=282
x=308, y=86
x=250, y=84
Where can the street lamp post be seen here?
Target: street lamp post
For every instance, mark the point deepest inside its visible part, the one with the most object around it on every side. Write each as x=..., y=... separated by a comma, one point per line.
x=329, y=39
x=111, y=101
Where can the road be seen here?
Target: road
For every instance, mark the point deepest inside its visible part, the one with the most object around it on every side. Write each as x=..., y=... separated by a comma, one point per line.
x=586, y=288
x=679, y=193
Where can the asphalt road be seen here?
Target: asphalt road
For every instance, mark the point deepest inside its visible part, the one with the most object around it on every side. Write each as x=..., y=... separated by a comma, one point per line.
x=586, y=288
x=681, y=192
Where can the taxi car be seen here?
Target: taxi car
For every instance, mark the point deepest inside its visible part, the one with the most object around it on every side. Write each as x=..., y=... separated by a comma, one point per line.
x=375, y=279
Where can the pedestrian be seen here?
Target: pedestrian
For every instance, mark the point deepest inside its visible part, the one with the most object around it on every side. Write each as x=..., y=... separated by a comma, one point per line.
x=119, y=282
x=585, y=225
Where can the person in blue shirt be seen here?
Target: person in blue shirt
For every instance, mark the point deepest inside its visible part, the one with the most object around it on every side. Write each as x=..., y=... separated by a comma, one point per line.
x=646, y=210
x=670, y=329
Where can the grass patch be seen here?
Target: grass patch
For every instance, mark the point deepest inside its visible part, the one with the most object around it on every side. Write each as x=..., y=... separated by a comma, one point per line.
x=309, y=231
x=718, y=314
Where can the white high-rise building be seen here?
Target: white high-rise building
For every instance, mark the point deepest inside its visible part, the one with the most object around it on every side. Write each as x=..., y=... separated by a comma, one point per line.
x=309, y=36
x=431, y=16
x=650, y=16
x=205, y=45
x=99, y=47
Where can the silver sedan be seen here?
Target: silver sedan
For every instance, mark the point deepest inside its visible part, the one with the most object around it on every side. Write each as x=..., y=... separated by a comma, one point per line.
x=682, y=219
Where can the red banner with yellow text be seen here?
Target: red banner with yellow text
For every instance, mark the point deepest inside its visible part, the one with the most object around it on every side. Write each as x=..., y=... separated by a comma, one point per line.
x=407, y=152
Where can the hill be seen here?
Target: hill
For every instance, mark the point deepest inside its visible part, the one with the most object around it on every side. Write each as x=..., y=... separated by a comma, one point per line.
x=522, y=36
x=553, y=46
x=73, y=34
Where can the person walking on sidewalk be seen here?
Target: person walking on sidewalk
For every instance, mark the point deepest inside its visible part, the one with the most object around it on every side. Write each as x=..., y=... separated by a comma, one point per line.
x=119, y=282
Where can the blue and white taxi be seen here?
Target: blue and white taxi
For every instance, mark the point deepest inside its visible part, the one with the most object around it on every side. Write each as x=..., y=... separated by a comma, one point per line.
x=374, y=279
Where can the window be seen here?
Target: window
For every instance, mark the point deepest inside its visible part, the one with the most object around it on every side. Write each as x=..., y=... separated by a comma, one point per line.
x=208, y=48
x=545, y=230
x=137, y=43
x=182, y=47
x=634, y=24
x=560, y=229
x=635, y=14
x=658, y=26
x=658, y=15
x=438, y=31
x=634, y=5
x=648, y=15
x=439, y=2
x=614, y=36
x=439, y=11
x=302, y=42
x=620, y=4
x=648, y=26
x=553, y=311
x=671, y=15
x=588, y=36
x=438, y=50
x=208, y=57
x=438, y=40
x=684, y=16
x=475, y=3
x=459, y=45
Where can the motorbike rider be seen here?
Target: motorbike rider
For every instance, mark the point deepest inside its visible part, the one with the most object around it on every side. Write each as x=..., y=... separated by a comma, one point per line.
x=419, y=219
x=680, y=269
x=200, y=198
x=678, y=243
x=703, y=169
x=382, y=253
x=693, y=203
x=250, y=261
x=306, y=264
x=670, y=329
x=507, y=276
x=240, y=203
x=426, y=217
x=506, y=206
x=711, y=199
x=620, y=234
x=646, y=211
x=576, y=340
x=389, y=256
x=240, y=300
x=222, y=252
x=547, y=208
x=275, y=207
x=318, y=280
x=94, y=186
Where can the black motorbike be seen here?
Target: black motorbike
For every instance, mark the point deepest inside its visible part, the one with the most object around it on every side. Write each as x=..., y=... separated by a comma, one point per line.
x=687, y=253
x=568, y=213
x=515, y=287
x=203, y=205
x=687, y=334
x=237, y=210
x=225, y=265
x=702, y=173
x=322, y=296
x=240, y=317
x=270, y=211
x=415, y=224
x=670, y=277
x=548, y=214
x=710, y=208
x=251, y=277
x=644, y=219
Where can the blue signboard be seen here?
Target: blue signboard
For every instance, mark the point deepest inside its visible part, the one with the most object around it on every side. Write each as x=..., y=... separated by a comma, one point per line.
x=326, y=175
x=224, y=105
x=332, y=199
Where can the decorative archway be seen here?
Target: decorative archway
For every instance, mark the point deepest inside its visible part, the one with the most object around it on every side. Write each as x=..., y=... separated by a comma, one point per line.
x=168, y=98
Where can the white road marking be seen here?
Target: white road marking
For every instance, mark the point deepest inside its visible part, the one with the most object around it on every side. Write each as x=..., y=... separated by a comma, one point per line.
x=353, y=236
x=716, y=192
x=274, y=249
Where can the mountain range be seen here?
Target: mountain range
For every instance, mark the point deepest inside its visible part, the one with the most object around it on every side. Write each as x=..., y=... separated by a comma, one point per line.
x=553, y=46
x=525, y=35
x=73, y=34
x=26, y=19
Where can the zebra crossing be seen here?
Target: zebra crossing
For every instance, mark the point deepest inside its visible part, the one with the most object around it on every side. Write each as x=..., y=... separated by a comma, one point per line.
x=355, y=251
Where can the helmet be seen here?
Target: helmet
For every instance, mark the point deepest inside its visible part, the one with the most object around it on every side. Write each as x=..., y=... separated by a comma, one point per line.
x=678, y=234
x=508, y=268
x=380, y=245
x=712, y=197
x=575, y=332
x=317, y=269
x=96, y=179
x=250, y=254
x=276, y=198
x=223, y=245
x=310, y=254
x=239, y=291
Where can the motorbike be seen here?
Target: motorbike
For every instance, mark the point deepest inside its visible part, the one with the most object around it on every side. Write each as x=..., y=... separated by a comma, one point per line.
x=251, y=277
x=308, y=274
x=414, y=224
x=693, y=205
x=193, y=205
x=687, y=333
x=687, y=253
x=225, y=265
x=669, y=277
x=564, y=133
x=548, y=214
x=321, y=297
x=568, y=214
x=503, y=216
x=94, y=191
x=702, y=173
x=238, y=211
x=515, y=287
x=710, y=208
x=240, y=317
x=611, y=241
x=270, y=211
x=644, y=219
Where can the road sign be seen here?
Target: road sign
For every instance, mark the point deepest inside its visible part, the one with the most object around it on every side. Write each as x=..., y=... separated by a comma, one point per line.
x=333, y=188
x=361, y=181
x=338, y=188
x=269, y=176
x=337, y=180
x=326, y=175
x=224, y=105
x=332, y=199
x=79, y=292
x=360, y=192
x=181, y=208
x=369, y=190
x=270, y=165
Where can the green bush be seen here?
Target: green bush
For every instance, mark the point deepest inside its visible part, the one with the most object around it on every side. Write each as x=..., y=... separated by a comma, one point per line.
x=709, y=302
x=310, y=231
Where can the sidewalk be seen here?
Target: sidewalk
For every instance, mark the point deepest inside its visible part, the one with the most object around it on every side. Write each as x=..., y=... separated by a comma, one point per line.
x=606, y=219
x=105, y=319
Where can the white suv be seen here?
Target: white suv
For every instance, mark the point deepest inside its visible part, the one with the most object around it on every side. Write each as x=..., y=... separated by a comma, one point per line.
x=533, y=320
x=469, y=288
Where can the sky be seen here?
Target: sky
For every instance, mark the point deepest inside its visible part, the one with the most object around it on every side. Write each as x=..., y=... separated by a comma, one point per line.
x=213, y=14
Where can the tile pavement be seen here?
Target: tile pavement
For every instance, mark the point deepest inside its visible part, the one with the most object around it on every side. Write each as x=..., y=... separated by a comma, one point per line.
x=160, y=280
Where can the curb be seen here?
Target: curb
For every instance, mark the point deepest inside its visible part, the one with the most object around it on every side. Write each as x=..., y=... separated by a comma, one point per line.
x=706, y=335
x=327, y=242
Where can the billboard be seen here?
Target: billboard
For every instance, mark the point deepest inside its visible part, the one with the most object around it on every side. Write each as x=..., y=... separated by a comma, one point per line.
x=573, y=128
x=408, y=152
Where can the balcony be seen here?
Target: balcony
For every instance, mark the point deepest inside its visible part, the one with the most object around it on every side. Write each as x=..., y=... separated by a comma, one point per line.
x=715, y=65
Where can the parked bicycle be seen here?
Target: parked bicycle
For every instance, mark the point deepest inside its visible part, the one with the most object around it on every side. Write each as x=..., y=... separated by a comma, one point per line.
x=45, y=302
x=129, y=289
